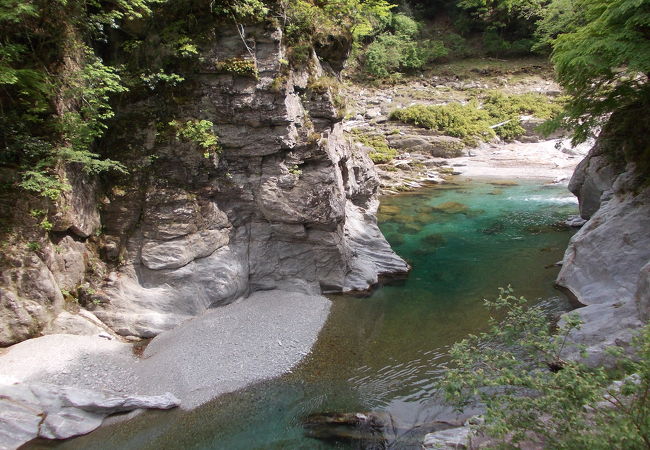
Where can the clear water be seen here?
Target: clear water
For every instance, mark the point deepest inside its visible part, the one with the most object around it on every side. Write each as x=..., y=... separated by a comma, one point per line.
x=384, y=353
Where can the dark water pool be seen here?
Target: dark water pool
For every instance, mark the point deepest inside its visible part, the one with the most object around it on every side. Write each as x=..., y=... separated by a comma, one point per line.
x=384, y=353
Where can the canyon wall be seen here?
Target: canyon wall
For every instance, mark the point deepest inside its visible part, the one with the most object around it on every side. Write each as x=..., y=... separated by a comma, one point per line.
x=287, y=204
x=606, y=267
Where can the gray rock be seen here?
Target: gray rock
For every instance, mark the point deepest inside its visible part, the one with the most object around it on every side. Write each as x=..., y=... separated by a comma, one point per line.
x=642, y=295
x=283, y=206
x=30, y=410
x=603, y=260
x=575, y=221
x=29, y=298
x=447, y=439
x=606, y=263
x=593, y=179
x=68, y=323
x=438, y=146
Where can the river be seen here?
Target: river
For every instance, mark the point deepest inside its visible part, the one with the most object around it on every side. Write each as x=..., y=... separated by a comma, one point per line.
x=384, y=353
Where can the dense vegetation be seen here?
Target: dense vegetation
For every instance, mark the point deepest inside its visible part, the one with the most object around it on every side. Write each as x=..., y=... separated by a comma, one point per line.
x=482, y=119
x=65, y=64
x=534, y=397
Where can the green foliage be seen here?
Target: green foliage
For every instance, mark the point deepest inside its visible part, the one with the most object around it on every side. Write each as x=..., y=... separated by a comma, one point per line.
x=308, y=23
x=199, y=132
x=391, y=53
x=34, y=246
x=604, y=64
x=496, y=45
x=381, y=153
x=467, y=122
x=404, y=25
x=55, y=98
x=153, y=80
x=532, y=394
x=476, y=120
x=240, y=10
x=240, y=67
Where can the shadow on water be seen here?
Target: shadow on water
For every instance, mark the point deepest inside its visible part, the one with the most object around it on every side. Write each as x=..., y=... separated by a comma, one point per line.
x=381, y=355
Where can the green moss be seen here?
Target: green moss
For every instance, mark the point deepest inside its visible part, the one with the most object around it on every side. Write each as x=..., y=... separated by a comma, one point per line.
x=238, y=66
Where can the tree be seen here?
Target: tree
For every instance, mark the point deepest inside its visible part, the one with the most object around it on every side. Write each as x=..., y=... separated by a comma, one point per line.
x=604, y=64
x=532, y=394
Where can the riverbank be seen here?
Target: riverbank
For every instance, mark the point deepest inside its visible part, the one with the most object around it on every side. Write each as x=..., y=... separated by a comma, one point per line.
x=418, y=156
x=224, y=350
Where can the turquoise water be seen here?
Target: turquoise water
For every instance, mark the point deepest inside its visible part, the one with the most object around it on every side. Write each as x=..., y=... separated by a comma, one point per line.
x=384, y=353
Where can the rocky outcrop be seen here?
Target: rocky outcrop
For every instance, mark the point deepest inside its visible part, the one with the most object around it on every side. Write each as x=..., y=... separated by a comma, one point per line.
x=31, y=410
x=287, y=204
x=606, y=264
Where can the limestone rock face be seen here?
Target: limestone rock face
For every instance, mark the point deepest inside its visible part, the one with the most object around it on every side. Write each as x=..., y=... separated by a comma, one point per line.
x=607, y=262
x=288, y=204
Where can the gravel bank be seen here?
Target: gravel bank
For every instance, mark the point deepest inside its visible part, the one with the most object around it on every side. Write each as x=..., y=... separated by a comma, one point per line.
x=233, y=346
x=221, y=351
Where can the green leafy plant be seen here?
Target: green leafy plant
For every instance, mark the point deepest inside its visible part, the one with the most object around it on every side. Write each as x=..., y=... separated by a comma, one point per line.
x=34, y=246
x=533, y=395
x=238, y=66
x=199, y=132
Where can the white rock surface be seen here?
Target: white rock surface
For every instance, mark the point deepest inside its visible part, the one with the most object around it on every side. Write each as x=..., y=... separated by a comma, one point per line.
x=448, y=439
x=31, y=410
x=607, y=263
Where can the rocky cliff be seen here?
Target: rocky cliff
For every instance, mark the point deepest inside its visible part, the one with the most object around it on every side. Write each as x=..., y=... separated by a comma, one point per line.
x=606, y=267
x=287, y=204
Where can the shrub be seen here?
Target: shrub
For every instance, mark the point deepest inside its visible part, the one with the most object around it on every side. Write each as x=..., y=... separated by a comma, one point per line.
x=473, y=122
x=391, y=53
x=462, y=121
x=199, y=132
x=239, y=66
x=381, y=153
x=531, y=394
x=405, y=26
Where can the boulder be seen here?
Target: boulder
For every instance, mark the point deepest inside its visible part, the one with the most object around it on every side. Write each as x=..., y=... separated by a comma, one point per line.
x=31, y=410
x=448, y=439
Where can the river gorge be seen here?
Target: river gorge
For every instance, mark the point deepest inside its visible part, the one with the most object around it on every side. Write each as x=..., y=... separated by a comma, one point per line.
x=384, y=353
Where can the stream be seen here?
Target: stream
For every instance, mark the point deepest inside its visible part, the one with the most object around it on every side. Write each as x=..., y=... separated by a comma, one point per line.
x=384, y=353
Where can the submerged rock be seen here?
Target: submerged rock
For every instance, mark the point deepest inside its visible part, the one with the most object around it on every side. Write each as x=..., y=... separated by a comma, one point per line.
x=365, y=429
x=452, y=438
x=452, y=208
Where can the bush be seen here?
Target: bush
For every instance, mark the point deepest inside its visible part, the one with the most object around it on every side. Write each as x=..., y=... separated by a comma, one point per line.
x=381, y=153
x=403, y=25
x=495, y=45
x=462, y=121
x=472, y=122
x=391, y=53
x=531, y=394
x=238, y=66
